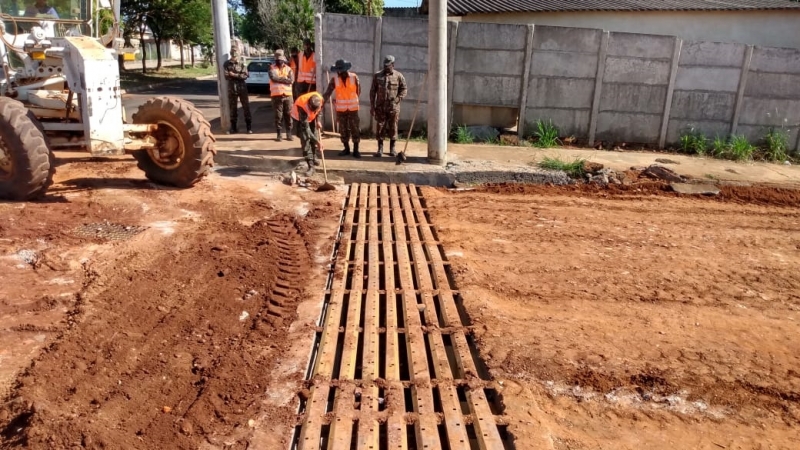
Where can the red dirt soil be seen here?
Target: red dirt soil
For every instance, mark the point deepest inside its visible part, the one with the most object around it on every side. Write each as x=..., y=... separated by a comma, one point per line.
x=178, y=337
x=633, y=319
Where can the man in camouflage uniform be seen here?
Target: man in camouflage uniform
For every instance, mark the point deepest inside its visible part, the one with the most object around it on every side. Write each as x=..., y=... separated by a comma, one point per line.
x=281, y=78
x=388, y=90
x=236, y=73
x=347, y=87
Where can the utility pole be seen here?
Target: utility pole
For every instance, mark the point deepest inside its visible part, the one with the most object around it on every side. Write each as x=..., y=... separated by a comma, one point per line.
x=437, y=82
x=222, y=48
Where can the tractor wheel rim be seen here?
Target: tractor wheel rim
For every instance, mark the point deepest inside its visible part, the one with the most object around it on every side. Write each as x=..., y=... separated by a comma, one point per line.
x=170, y=148
x=6, y=164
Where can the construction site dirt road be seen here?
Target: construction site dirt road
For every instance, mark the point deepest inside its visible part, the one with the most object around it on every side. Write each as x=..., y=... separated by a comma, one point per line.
x=138, y=317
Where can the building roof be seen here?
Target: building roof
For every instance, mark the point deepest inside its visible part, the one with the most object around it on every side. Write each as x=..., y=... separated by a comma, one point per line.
x=464, y=7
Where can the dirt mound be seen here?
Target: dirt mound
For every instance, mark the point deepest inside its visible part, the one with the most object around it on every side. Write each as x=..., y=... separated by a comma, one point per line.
x=763, y=195
x=171, y=344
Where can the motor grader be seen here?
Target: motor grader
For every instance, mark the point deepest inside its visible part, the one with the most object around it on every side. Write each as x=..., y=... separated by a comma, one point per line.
x=60, y=90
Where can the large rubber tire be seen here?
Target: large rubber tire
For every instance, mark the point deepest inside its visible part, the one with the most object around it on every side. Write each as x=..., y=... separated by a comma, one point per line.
x=28, y=170
x=184, y=134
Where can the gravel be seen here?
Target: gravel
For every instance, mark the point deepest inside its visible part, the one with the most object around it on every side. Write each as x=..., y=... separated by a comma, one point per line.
x=478, y=172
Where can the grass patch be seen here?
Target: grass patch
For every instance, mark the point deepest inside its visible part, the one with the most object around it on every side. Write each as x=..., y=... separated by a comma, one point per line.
x=546, y=134
x=135, y=78
x=462, y=135
x=739, y=149
x=694, y=142
x=776, y=145
x=574, y=169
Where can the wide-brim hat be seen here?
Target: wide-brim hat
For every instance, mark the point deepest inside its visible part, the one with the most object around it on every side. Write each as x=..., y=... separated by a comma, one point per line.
x=341, y=66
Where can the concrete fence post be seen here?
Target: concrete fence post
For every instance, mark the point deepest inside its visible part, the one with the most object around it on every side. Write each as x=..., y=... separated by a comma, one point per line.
x=673, y=73
x=737, y=109
x=598, y=86
x=451, y=71
x=377, y=42
x=523, y=98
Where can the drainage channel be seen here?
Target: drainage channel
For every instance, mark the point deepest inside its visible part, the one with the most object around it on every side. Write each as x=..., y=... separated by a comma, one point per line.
x=394, y=366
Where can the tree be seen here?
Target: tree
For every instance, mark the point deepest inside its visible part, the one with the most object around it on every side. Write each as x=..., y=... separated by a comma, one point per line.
x=360, y=7
x=287, y=22
x=194, y=25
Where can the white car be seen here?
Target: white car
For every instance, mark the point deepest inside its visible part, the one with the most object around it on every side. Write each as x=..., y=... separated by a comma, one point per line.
x=259, y=73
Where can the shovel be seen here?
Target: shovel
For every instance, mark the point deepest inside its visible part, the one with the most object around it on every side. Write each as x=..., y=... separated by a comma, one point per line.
x=327, y=186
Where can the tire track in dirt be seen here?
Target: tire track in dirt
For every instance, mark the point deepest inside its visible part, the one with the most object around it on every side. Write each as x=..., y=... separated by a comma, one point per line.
x=173, y=345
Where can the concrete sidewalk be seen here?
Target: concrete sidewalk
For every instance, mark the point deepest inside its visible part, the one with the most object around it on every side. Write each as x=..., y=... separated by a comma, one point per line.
x=261, y=152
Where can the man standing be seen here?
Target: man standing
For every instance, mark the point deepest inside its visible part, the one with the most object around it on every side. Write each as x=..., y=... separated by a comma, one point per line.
x=293, y=64
x=306, y=69
x=281, y=78
x=236, y=73
x=305, y=111
x=348, y=89
x=388, y=90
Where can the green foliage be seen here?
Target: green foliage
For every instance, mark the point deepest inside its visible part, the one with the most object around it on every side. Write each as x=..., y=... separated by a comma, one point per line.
x=358, y=7
x=546, y=134
x=694, y=142
x=574, y=169
x=718, y=147
x=737, y=148
x=462, y=135
x=776, y=144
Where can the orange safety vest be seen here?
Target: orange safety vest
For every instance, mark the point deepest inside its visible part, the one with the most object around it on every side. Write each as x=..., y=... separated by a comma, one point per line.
x=346, y=94
x=280, y=89
x=308, y=69
x=302, y=102
x=293, y=65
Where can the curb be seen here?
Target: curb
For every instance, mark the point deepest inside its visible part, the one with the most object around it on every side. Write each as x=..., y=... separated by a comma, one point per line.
x=171, y=81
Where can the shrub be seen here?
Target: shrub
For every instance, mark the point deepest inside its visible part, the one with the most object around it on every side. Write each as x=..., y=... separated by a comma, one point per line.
x=740, y=149
x=462, y=135
x=776, y=144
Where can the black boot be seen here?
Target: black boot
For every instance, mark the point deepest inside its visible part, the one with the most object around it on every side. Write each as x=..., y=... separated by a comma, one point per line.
x=289, y=136
x=391, y=148
x=279, y=136
x=310, y=170
x=234, y=129
x=380, y=149
x=346, y=150
x=249, y=128
x=356, y=153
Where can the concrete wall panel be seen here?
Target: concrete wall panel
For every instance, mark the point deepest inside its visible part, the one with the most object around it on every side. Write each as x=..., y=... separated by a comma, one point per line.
x=628, y=127
x=633, y=98
x=771, y=112
x=395, y=30
x=708, y=79
x=677, y=128
x=773, y=85
x=406, y=58
x=712, y=54
x=358, y=53
x=560, y=93
x=489, y=36
x=781, y=60
x=495, y=62
x=574, y=65
x=640, y=45
x=347, y=27
x=584, y=40
x=703, y=106
x=643, y=71
x=570, y=122
x=414, y=83
x=481, y=90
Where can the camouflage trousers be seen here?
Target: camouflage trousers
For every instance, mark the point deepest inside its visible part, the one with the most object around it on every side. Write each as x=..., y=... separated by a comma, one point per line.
x=237, y=91
x=283, y=110
x=386, y=120
x=349, y=125
x=304, y=133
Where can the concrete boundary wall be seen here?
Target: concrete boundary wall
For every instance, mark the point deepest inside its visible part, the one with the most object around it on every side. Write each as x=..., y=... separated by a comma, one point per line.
x=593, y=84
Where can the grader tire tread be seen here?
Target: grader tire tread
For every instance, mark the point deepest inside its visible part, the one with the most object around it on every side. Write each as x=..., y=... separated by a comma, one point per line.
x=33, y=165
x=196, y=132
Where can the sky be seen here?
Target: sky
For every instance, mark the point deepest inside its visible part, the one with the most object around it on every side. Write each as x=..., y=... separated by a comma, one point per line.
x=401, y=3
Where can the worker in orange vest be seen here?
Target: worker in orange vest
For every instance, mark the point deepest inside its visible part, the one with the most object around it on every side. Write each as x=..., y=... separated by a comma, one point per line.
x=293, y=63
x=306, y=69
x=348, y=89
x=281, y=79
x=305, y=112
